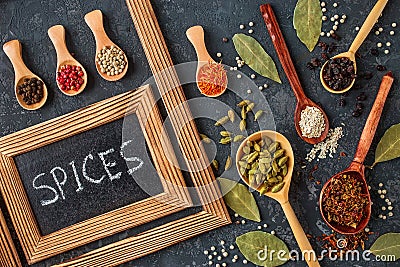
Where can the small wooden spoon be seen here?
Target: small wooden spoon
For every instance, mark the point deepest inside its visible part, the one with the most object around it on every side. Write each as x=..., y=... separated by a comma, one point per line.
x=195, y=35
x=57, y=36
x=356, y=168
x=94, y=20
x=283, y=195
x=362, y=34
x=283, y=53
x=13, y=50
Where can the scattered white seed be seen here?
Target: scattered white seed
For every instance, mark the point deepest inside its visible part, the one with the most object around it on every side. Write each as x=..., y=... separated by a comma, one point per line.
x=210, y=263
x=223, y=264
x=253, y=76
x=241, y=26
x=342, y=21
x=248, y=91
x=379, y=191
x=205, y=252
x=379, y=44
x=233, y=260
x=265, y=85
x=231, y=68
x=328, y=34
x=260, y=88
x=390, y=208
x=237, y=58
x=322, y=34
x=387, y=200
x=391, y=32
x=334, y=27
x=332, y=19
x=386, y=51
x=223, y=250
x=388, y=44
x=380, y=29
x=377, y=32
x=244, y=261
x=222, y=242
x=243, y=221
x=390, y=214
x=357, y=28
x=389, y=203
x=239, y=65
x=380, y=184
x=366, y=229
x=234, y=68
x=219, y=54
x=324, y=18
x=225, y=254
x=251, y=31
x=219, y=258
x=215, y=253
x=265, y=225
x=212, y=248
x=369, y=187
x=336, y=16
x=259, y=227
x=323, y=9
x=335, y=4
x=210, y=257
x=272, y=232
x=331, y=32
x=217, y=265
x=344, y=16
x=384, y=217
x=394, y=24
x=323, y=4
x=251, y=24
x=380, y=216
x=383, y=208
x=336, y=23
x=382, y=196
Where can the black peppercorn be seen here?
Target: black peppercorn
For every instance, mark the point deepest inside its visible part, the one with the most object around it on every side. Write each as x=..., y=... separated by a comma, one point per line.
x=374, y=52
x=380, y=67
x=225, y=40
x=361, y=97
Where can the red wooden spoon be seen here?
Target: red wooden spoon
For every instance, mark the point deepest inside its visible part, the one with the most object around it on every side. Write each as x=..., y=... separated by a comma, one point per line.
x=356, y=168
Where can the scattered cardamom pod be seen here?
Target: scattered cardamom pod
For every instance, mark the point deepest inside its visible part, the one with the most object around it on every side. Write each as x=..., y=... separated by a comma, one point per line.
x=215, y=164
x=238, y=138
x=205, y=138
x=242, y=125
x=258, y=115
x=250, y=107
x=243, y=103
x=228, y=163
x=277, y=187
x=222, y=121
x=231, y=115
x=244, y=115
x=225, y=133
x=225, y=140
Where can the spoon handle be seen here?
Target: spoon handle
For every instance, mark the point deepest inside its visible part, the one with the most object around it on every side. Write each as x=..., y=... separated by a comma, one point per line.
x=13, y=50
x=195, y=35
x=368, y=25
x=373, y=119
x=300, y=236
x=94, y=20
x=282, y=50
x=57, y=36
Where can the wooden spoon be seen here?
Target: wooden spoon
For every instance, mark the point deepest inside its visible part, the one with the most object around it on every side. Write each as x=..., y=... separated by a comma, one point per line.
x=356, y=168
x=283, y=53
x=195, y=35
x=283, y=195
x=13, y=50
x=57, y=36
x=94, y=20
x=362, y=34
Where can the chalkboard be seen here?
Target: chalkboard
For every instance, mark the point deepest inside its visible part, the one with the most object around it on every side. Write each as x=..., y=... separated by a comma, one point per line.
x=67, y=181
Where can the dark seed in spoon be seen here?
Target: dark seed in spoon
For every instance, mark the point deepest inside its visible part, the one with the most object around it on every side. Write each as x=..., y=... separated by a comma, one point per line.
x=339, y=73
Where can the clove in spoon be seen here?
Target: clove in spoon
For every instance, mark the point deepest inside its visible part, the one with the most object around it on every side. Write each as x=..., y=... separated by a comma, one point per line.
x=351, y=53
x=282, y=196
x=356, y=168
x=195, y=35
x=13, y=50
x=94, y=20
x=57, y=36
x=283, y=54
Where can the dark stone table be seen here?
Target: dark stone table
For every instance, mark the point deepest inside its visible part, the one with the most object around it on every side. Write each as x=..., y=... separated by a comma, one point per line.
x=29, y=20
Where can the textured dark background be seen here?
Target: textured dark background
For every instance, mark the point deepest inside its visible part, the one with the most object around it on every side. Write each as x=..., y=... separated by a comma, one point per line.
x=28, y=21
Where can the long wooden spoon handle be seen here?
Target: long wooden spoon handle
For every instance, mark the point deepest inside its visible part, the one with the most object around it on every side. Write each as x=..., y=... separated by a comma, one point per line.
x=13, y=50
x=301, y=238
x=368, y=25
x=195, y=35
x=94, y=20
x=373, y=119
x=57, y=36
x=282, y=50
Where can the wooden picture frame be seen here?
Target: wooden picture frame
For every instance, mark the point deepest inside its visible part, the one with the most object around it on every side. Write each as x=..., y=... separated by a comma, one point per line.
x=8, y=253
x=175, y=197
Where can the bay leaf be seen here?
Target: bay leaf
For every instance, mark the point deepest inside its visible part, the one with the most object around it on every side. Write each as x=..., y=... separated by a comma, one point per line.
x=387, y=245
x=255, y=56
x=239, y=199
x=389, y=146
x=307, y=21
x=257, y=247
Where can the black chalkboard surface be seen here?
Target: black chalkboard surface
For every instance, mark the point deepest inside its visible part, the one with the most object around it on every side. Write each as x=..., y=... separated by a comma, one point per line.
x=86, y=175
